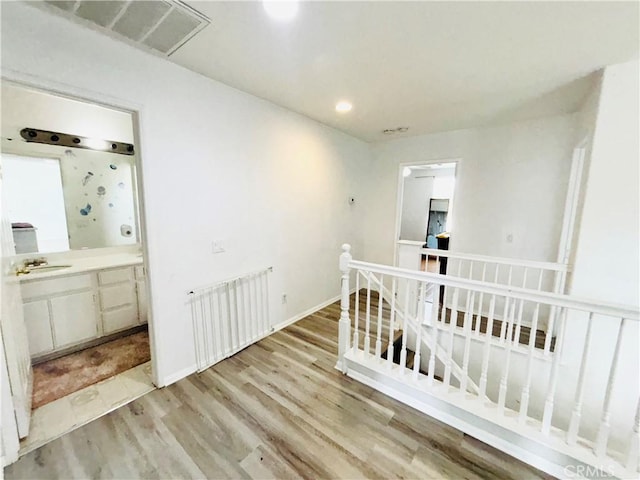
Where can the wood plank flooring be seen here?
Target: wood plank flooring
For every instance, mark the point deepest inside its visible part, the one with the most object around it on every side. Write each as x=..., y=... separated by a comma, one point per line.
x=278, y=409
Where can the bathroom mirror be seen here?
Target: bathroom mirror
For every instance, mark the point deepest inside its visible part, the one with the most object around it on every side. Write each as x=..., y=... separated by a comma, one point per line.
x=58, y=197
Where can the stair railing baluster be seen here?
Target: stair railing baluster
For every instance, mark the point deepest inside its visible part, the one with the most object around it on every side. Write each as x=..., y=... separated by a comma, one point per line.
x=516, y=337
x=478, y=323
x=367, y=317
x=553, y=378
x=453, y=322
x=356, y=331
x=526, y=389
x=392, y=319
x=576, y=414
x=600, y=447
x=504, y=380
x=505, y=313
x=403, y=352
x=631, y=461
x=436, y=333
x=416, y=360
x=468, y=331
x=379, y=326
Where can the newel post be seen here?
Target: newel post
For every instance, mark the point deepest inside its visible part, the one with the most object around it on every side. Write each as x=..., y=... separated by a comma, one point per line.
x=344, y=332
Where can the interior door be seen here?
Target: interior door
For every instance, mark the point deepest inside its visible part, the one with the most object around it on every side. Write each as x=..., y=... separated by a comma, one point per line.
x=14, y=332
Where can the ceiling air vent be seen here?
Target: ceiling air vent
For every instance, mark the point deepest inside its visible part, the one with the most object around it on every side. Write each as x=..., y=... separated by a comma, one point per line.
x=163, y=25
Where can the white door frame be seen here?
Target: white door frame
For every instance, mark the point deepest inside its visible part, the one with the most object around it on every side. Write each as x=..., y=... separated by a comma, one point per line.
x=570, y=216
x=136, y=110
x=400, y=193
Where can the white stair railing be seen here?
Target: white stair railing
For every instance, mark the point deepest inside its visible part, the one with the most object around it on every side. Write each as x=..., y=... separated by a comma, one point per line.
x=529, y=274
x=513, y=383
x=415, y=325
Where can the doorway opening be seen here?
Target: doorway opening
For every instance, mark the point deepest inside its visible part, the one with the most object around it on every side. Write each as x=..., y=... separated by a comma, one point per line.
x=75, y=317
x=424, y=220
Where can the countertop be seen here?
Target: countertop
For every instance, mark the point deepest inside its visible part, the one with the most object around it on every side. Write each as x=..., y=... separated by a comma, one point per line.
x=83, y=265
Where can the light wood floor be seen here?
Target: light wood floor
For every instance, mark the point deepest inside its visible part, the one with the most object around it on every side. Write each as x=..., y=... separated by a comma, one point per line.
x=278, y=409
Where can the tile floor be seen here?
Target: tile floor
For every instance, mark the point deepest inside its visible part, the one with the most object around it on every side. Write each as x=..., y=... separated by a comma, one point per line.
x=68, y=413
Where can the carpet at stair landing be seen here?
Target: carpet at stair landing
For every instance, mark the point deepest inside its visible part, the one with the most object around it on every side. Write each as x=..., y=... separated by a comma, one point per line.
x=57, y=378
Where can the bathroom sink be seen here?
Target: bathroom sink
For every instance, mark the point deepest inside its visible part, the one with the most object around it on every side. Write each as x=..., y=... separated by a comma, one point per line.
x=47, y=268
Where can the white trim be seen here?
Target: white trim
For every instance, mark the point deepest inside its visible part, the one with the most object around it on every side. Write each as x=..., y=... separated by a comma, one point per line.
x=574, y=188
x=185, y=372
x=36, y=445
x=549, y=454
x=556, y=267
x=136, y=110
x=307, y=312
x=177, y=376
x=559, y=300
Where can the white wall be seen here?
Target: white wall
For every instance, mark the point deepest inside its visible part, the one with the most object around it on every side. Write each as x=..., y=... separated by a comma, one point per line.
x=511, y=180
x=607, y=257
x=217, y=164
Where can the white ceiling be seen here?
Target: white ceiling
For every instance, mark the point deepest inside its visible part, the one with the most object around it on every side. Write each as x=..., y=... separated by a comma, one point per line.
x=429, y=66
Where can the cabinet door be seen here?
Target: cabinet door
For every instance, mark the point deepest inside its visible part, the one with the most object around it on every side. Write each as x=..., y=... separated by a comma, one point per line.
x=36, y=318
x=74, y=318
x=119, y=318
x=142, y=301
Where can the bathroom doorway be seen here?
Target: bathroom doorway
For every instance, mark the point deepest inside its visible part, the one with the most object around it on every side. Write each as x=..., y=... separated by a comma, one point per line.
x=73, y=255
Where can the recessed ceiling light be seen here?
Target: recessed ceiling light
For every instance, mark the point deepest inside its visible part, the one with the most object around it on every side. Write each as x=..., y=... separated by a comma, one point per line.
x=343, y=107
x=282, y=10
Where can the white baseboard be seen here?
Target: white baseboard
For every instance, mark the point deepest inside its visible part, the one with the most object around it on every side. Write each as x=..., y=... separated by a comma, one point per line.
x=307, y=312
x=174, y=377
x=179, y=375
x=553, y=457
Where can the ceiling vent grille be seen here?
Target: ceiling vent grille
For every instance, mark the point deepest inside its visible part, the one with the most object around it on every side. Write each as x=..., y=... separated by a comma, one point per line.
x=162, y=25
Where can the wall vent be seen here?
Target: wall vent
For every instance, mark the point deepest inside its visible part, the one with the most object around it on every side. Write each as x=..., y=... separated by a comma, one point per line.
x=162, y=25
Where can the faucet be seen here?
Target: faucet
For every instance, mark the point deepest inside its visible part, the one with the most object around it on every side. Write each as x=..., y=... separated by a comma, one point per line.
x=27, y=264
x=35, y=262
x=23, y=270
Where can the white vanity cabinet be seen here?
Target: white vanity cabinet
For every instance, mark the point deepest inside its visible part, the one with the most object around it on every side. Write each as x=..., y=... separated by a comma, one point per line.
x=59, y=312
x=66, y=311
x=118, y=299
x=141, y=290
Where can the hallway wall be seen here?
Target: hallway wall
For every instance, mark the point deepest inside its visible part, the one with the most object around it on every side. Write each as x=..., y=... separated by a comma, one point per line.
x=271, y=186
x=511, y=180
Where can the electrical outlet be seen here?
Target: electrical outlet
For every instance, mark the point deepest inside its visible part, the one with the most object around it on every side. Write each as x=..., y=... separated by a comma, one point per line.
x=284, y=298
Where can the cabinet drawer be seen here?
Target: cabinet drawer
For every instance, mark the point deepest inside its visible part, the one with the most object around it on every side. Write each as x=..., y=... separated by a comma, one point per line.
x=117, y=275
x=117, y=296
x=119, y=318
x=42, y=288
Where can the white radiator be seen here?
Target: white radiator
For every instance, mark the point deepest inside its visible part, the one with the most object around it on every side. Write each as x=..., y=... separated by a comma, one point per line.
x=229, y=316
